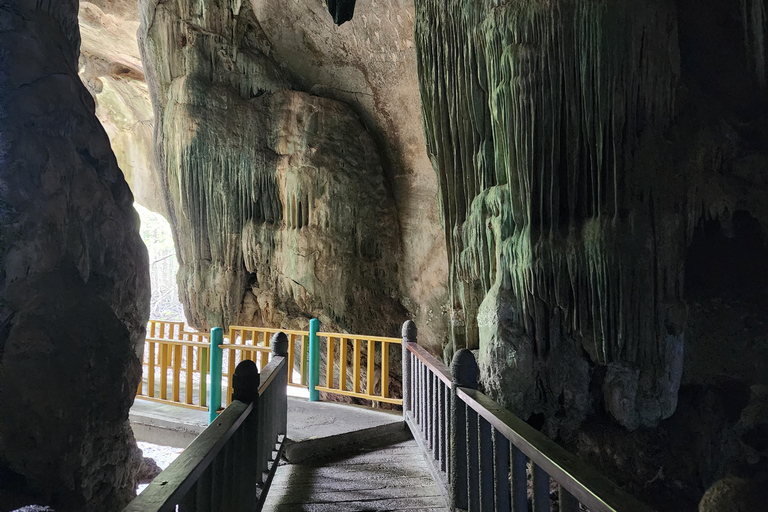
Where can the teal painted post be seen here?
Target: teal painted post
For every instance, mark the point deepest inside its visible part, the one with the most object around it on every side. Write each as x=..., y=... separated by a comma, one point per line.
x=214, y=391
x=314, y=360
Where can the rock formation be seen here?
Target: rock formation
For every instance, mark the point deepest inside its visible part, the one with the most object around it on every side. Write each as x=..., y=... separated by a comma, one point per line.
x=74, y=290
x=369, y=63
x=595, y=162
x=279, y=199
x=111, y=68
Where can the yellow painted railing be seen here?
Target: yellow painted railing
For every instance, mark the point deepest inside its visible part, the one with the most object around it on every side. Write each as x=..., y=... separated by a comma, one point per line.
x=367, y=382
x=176, y=362
x=175, y=365
x=254, y=343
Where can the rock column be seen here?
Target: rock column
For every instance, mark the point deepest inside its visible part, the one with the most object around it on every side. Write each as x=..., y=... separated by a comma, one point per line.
x=74, y=286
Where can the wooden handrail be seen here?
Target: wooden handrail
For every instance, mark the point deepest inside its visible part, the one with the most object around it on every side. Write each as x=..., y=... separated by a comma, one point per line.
x=434, y=364
x=247, y=433
x=591, y=488
x=171, y=485
x=465, y=434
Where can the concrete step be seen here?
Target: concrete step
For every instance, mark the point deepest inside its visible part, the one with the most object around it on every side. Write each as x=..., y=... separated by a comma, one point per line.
x=322, y=430
x=166, y=424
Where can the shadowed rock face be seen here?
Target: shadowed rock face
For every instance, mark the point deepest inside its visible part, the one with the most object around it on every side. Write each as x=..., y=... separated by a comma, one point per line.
x=74, y=284
x=576, y=153
x=276, y=197
x=602, y=177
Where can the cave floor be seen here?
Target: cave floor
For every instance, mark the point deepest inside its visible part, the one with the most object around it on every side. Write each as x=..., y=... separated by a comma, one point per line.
x=394, y=477
x=339, y=457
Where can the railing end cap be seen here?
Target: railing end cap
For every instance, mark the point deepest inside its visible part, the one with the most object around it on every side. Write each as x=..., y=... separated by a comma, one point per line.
x=279, y=344
x=409, y=331
x=464, y=369
x=245, y=381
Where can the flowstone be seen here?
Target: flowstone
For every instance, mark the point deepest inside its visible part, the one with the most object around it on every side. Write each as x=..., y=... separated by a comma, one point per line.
x=276, y=197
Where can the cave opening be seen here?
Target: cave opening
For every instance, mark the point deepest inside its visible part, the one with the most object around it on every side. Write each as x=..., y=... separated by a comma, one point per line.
x=163, y=266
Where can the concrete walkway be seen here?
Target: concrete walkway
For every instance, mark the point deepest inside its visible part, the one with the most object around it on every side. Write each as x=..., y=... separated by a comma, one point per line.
x=172, y=425
x=390, y=478
x=339, y=457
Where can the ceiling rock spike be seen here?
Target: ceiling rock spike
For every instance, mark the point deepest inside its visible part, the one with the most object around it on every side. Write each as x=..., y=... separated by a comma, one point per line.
x=341, y=10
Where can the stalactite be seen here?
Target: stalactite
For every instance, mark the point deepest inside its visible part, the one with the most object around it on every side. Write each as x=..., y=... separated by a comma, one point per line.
x=563, y=95
x=243, y=153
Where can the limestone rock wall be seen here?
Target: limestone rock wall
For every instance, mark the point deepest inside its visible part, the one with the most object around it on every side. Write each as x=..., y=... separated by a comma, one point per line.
x=277, y=197
x=575, y=162
x=74, y=288
x=110, y=67
x=369, y=63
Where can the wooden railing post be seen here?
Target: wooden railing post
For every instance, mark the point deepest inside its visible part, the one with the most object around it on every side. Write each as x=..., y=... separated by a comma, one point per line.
x=214, y=392
x=463, y=374
x=280, y=346
x=314, y=360
x=245, y=382
x=241, y=455
x=409, y=336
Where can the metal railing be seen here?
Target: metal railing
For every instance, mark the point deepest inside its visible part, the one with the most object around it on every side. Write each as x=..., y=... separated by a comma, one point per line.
x=482, y=455
x=230, y=465
x=362, y=353
x=195, y=369
x=175, y=365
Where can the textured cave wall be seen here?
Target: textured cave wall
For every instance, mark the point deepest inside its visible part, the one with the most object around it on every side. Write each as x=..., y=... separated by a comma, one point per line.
x=276, y=197
x=369, y=63
x=74, y=287
x=598, y=163
x=110, y=67
x=559, y=242
x=569, y=194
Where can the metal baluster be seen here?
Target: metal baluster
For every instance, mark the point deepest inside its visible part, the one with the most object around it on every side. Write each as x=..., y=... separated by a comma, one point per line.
x=519, y=481
x=421, y=397
x=463, y=374
x=473, y=460
x=434, y=400
x=446, y=464
x=424, y=404
x=428, y=403
x=540, y=490
x=501, y=468
x=440, y=423
x=414, y=394
x=566, y=501
x=217, y=483
x=188, y=502
x=486, y=465
x=228, y=481
x=204, y=498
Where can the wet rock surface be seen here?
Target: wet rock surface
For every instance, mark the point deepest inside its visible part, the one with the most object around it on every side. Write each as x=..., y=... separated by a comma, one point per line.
x=74, y=283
